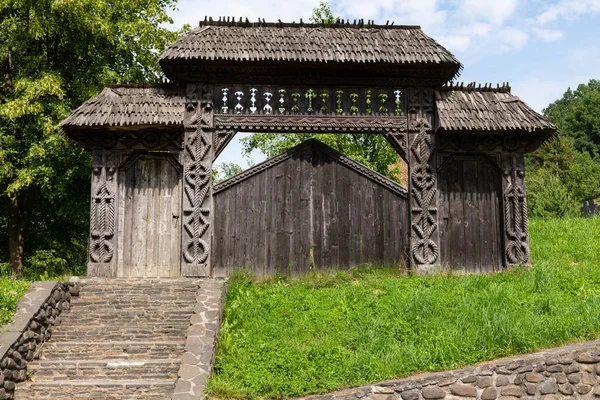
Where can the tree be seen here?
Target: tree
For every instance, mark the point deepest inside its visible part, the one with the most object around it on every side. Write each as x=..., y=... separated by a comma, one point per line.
x=322, y=14
x=577, y=114
x=55, y=55
x=225, y=171
x=560, y=178
x=372, y=150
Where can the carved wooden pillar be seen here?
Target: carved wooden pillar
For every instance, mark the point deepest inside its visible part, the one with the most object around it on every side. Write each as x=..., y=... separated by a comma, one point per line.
x=197, y=159
x=103, y=222
x=516, y=223
x=422, y=185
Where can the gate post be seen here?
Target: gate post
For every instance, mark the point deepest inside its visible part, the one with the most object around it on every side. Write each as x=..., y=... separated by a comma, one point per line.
x=516, y=222
x=422, y=183
x=197, y=159
x=102, y=249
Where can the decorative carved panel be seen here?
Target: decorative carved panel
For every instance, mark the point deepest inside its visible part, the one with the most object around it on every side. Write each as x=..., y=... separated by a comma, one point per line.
x=197, y=180
x=424, y=246
x=474, y=143
x=101, y=255
x=516, y=222
x=341, y=101
x=141, y=139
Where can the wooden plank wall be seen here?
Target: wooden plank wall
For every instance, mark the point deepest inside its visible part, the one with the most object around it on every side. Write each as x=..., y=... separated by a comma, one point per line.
x=270, y=221
x=470, y=214
x=149, y=221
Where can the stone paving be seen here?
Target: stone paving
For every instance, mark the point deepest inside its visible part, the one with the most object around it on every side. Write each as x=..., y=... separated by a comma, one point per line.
x=130, y=339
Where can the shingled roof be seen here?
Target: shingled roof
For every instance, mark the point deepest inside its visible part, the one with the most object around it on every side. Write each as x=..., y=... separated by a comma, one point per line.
x=131, y=105
x=338, y=44
x=487, y=110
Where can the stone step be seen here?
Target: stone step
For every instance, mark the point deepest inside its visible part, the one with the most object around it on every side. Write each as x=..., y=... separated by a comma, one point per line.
x=86, y=324
x=101, y=304
x=53, y=370
x=96, y=389
x=119, y=333
x=112, y=350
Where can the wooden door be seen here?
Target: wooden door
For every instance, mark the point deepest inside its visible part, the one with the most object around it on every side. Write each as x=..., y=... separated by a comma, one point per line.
x=470, y=217
x=150, y=218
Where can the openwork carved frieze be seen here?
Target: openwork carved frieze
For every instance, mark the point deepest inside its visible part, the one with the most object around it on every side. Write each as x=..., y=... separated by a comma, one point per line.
x=342, y=101
x=424, y=248
x=102, y=212
x=516, y=222
x=197, y=200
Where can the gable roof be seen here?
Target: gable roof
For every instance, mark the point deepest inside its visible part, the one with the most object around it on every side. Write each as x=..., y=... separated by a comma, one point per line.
x=314, y=146
x=131, y=105
x=338, y=44
x=487, y=109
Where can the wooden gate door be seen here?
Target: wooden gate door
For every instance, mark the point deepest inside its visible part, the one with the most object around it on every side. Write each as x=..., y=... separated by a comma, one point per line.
x=150, y=188
x=470, y=220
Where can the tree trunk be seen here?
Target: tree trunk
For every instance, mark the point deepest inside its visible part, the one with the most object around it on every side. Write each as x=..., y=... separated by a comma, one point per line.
x=18, y=218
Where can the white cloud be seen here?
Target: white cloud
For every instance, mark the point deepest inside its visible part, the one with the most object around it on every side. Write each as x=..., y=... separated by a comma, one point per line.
x=512, y=39
x=495, y=12
x=539, y=93
x=548, y=35
x=454, y=43
x=568, y=9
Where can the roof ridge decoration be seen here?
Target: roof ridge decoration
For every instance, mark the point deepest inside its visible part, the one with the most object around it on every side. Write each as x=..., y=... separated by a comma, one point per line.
x=475, y=87
x=313, y=144
x=338, y=23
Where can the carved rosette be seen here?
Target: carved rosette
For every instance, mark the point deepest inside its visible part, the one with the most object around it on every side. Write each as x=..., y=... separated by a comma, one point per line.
x=197, y=196
x=102, y=212
x=516, y=222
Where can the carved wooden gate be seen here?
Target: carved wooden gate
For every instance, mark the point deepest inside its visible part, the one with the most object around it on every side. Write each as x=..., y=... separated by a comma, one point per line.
x=233, y=76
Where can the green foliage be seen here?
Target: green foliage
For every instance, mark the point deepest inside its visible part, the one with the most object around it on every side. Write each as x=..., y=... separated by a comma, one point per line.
x=372, y=150
x=560, y=178
x=226, y=171
x=282, y=337
x=11, y=291
x=577, y=114
x=54, y=55
x=322, y=13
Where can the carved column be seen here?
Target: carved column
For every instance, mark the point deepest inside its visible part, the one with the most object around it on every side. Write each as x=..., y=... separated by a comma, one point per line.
x=516, y=223
x=197, y=158
x=423, y=215
x=103, y=222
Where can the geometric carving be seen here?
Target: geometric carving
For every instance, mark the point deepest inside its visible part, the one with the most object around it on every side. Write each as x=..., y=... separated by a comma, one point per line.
x=102, y=218
x=310, y=123
x=469, y=142
x=424, y=249
x=516, y=221
x=197, y=182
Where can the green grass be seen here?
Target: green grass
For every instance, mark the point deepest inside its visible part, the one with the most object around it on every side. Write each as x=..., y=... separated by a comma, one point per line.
x=282, y=338
x=11, y=291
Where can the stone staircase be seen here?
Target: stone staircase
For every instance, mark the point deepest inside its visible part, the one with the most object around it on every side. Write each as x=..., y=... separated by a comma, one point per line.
x=121, y=339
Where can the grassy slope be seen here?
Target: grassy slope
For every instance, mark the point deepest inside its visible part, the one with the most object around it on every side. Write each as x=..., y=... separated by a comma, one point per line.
x=320, y=333
x=11, y=291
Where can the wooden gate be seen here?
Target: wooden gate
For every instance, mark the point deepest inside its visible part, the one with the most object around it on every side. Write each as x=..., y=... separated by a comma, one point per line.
x=310, y=207
x=470, y=214
x=149, y=219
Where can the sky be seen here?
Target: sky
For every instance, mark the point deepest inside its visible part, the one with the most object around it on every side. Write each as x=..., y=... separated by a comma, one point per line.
x=540, y=47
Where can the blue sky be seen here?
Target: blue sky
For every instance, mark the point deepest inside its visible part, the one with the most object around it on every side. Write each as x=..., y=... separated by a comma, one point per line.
x=540, y=47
